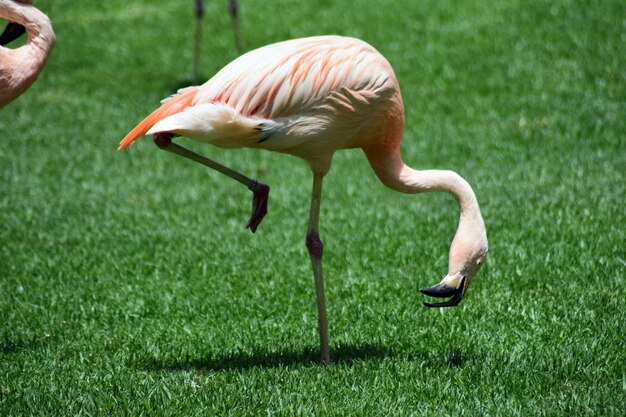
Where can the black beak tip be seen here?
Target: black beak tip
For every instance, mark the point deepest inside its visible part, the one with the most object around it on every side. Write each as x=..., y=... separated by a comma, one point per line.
x=11, y=32
x=442, y=291
x=439, y=291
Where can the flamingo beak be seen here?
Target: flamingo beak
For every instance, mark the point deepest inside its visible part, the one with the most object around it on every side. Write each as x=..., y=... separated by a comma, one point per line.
x=443, y=290
x=11, y=32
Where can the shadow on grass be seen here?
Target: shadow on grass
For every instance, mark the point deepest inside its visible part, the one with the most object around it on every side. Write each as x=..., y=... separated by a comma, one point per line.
x=263, y=359
x=13, y=346
x=307, y=357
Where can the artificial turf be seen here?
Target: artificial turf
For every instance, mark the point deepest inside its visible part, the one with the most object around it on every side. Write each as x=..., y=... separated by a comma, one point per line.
x=129, y=286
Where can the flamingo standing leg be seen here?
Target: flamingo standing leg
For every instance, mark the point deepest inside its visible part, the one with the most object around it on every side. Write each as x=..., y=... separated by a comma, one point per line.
x=315, y=247
x=260, y=191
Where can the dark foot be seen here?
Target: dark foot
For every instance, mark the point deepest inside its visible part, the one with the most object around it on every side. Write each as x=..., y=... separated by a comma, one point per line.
x=259, y=204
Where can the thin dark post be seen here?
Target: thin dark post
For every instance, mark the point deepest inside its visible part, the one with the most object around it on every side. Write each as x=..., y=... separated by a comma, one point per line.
x=197, y=42
x=233, y=8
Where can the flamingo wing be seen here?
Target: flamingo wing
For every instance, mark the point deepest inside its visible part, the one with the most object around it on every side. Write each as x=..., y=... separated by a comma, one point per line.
x=261, y=93
x=293, y=76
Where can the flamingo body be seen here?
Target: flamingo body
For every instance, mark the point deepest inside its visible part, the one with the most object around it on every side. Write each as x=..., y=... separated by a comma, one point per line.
x=20, y=67
x=311, y=97
x=306, y=97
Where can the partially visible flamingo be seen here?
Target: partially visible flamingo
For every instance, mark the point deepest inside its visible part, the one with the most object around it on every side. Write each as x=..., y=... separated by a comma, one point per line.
x=197, y=38
x=309, y=98
x=20, y=67
x=233, y=9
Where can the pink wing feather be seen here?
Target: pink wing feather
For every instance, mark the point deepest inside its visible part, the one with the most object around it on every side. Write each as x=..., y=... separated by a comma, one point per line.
x=279, y=81
x=290, y=77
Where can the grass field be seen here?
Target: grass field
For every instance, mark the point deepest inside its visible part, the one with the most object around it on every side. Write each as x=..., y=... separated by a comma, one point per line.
x=129, y=286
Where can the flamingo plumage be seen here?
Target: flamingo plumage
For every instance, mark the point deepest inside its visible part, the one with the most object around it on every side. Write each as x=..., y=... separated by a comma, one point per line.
x=309, y=98
x=20, y=67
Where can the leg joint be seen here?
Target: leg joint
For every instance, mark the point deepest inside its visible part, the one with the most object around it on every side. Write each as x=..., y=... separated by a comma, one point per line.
x=163, y=139
x=314, y=244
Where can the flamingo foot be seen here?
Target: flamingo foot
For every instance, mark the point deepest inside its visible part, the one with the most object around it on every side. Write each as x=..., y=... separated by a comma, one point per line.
x=261, y=191
x=260, y=197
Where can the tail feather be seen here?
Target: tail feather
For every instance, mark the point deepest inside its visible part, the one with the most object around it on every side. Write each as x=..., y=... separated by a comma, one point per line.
x=218, y=124
x=175, y=104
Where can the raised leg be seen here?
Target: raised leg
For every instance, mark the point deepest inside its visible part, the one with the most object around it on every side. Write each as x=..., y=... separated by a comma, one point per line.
x=260, y=191
x=315, y=247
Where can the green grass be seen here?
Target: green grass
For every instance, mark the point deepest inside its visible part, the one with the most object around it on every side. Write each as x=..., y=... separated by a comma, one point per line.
x=129, y=285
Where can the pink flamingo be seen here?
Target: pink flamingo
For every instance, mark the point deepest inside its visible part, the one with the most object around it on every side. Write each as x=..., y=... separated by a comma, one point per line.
x=20, y=67
x=309, y=98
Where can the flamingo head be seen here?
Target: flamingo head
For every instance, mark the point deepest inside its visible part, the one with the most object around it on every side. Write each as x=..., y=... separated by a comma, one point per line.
x=467, y=256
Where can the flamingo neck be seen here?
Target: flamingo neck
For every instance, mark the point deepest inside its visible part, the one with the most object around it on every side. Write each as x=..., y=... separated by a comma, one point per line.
x=416, y=181
x=41, y=38
x=21, y=66
x=469, y=246
x=395, y=174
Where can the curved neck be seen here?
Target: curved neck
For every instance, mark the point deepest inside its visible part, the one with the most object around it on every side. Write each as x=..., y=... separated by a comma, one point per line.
x=395, y=174
x=469, y=245
x=21, y=66
x=441, y=180
x=40, y=34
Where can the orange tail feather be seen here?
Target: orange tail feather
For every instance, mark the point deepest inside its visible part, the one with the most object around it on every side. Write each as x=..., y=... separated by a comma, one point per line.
x=173, y=105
